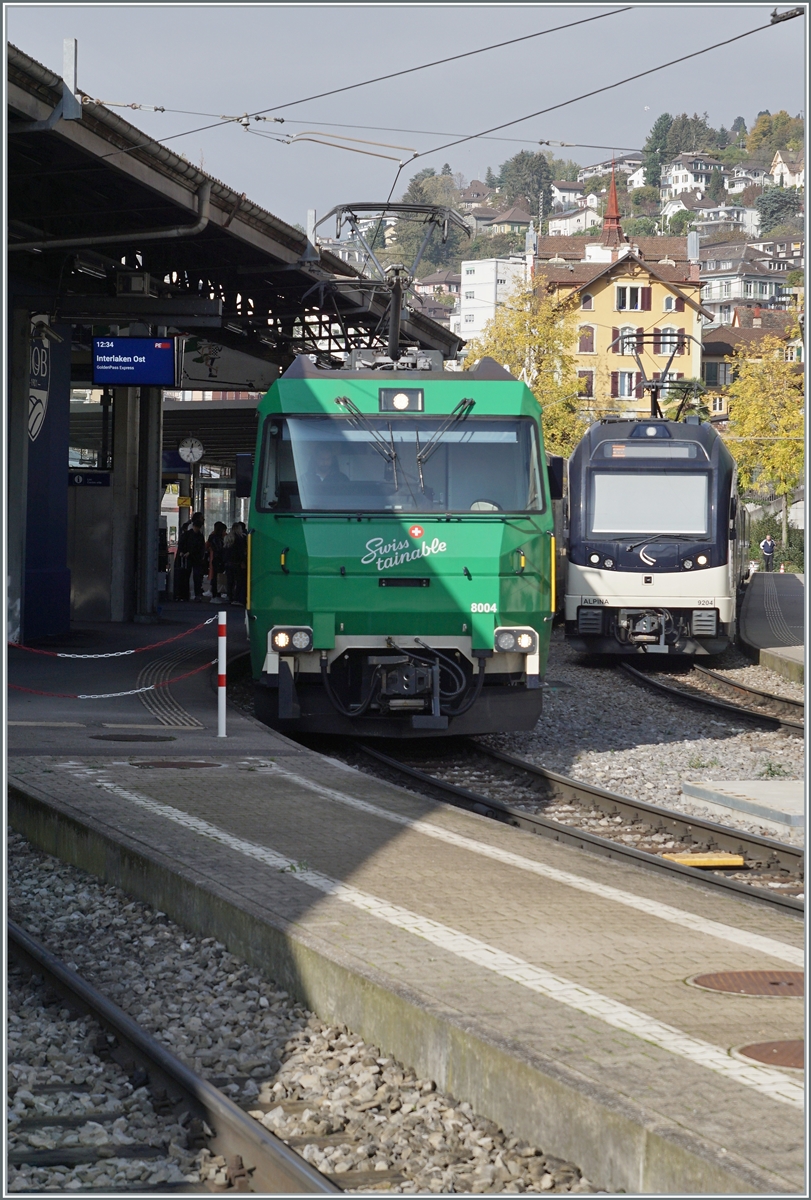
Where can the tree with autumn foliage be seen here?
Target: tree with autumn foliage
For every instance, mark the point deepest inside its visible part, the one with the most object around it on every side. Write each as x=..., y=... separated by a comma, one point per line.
x=532, y=335
x=766, y=419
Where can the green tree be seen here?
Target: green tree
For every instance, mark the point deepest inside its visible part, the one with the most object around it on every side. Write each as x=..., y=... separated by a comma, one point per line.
x=499, y=245
x=689, y=135
x=681, y=396
x=491, y=179
x=532, y=334
x=526, y=175
x=766, y=419
x=655, y=149
x=645, y=199
x=640, y=227
x=739, y=127
x=777, y=205
x=680, y=222
x=771, y=133
x=716, y=190
x=795, y=279
x=563, y=168
x=415, y=192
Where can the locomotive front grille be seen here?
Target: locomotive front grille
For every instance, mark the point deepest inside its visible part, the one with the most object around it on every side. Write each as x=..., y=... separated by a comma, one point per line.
x=704, y=622
x=590, y=620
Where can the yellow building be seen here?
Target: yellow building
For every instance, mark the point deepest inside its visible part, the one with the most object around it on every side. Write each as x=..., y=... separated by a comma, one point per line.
x=636, y=301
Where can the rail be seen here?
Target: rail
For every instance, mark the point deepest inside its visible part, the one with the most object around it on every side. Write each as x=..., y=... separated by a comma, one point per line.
x=776, y=720
x=761, y=853
x=270, y=1166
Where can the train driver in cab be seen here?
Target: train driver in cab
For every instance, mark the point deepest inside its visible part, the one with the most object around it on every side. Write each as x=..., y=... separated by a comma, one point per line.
x=325, y=473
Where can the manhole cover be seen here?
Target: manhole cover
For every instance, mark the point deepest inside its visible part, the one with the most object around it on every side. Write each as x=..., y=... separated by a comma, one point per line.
x=131, y=737
x=754, y=983
x=179, y=765
x=777, y=1054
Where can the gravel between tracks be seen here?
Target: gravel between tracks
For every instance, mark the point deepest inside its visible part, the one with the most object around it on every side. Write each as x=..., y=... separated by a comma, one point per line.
x=600, y=727
x=226, y=1020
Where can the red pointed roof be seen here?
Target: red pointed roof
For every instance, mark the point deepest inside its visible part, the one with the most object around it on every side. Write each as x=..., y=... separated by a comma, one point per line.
x=612, y=230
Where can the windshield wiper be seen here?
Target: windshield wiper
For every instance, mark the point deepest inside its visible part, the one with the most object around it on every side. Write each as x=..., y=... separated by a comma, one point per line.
x=669, y=537
x=462, y=410
x=359, y=418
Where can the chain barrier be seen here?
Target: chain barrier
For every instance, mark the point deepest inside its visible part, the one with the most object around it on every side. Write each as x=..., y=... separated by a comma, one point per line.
x=111, y=653
x=111, y=695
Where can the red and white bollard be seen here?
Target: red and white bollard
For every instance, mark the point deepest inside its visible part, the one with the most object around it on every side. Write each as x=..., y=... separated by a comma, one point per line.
x=222, y=618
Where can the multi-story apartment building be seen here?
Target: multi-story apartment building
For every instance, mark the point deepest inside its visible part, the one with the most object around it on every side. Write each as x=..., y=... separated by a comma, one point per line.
x=626, y=164
x=687, y=173
x=566, y=194
x=788, y=168
x=736, y=274
x=639, y=298
x=574, y=220
x=486, y=283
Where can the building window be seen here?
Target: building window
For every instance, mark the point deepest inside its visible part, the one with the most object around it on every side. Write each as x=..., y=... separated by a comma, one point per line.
x=726, y=266
x=763, y=289
x=469, y=295
x=501, y=281
x=587, y=302
x=717, y=404
x=469, y=318
x=585, y=381
x=669, y=340
x=669, y=303
x=726, y=288
x=470, y=270
x=627, y=342
x=585, y=342
x=747, y=289
x=628, y=298
x=726, y=314
x=626, y=382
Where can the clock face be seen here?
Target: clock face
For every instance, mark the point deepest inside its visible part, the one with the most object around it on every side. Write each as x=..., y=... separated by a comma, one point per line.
x=190, y=449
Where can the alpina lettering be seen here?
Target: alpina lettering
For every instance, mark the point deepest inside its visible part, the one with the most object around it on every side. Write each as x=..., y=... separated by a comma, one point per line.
x=393, y=554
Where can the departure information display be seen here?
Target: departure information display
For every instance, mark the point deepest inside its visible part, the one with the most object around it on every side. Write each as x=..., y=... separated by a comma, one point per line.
x=134, y=361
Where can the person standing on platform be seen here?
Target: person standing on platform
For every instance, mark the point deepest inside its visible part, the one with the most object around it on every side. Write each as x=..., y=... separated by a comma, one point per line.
x=192, y=544
x=767, y=549
x=235, y=553
x=216, y=547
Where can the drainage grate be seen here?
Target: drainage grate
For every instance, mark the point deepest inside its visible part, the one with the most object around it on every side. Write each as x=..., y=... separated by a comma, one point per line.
x=777, y=1054
x=176, y=765
x=754, y=983
x=132, y=737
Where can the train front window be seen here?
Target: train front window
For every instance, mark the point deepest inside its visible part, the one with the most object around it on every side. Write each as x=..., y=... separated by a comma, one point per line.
x=622, y=503
x=400, y=464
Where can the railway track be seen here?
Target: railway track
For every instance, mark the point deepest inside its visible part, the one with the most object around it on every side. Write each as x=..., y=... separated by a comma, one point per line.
x=568, y=811
x=766, y=708
x=245, y=1155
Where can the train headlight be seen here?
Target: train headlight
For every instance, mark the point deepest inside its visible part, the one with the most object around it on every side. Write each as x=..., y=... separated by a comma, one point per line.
x=296, y=639
x=520, y=641
x=688, y=564
x=594, y=558
x=608, y=562
x=702, y=560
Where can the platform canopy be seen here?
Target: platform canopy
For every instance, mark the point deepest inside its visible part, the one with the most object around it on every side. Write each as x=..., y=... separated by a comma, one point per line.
x=90, y=197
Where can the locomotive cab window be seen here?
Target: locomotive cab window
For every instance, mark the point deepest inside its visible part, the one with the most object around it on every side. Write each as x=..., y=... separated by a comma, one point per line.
x=400, y=464
x=649, y=502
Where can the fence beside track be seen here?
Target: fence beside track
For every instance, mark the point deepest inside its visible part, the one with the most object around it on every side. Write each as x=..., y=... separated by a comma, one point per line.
x=767, y=851
x=272, y=1167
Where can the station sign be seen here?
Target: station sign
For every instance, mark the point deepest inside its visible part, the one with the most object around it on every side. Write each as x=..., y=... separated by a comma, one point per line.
x=88, y=479
x=134, y=362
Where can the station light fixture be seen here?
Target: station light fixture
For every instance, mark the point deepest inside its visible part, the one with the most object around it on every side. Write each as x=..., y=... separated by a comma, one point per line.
x=516, y=641
x=291, y=639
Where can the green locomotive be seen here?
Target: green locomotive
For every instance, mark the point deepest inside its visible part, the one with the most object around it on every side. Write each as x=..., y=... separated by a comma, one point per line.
x=402, y=551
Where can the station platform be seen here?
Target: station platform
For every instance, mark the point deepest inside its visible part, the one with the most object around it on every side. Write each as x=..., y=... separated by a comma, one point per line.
x=549, y=988
x=772, y=622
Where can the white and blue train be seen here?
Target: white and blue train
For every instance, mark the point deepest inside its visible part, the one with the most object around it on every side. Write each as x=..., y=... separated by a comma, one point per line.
x=658, y=542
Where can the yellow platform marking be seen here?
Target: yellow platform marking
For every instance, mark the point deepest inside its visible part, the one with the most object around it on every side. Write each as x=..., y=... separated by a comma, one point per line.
x=707, y=860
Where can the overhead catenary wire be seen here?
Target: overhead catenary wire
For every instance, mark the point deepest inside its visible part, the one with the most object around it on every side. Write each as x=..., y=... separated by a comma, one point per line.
x=377, y=79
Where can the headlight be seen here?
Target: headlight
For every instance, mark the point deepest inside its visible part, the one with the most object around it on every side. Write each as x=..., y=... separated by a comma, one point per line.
x=594, y=558
x=291, y=638
x=702, y=560
x=608, y=562
x=521, y=641
x=688, y=564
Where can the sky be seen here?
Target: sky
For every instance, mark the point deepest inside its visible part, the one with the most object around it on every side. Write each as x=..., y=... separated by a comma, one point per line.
x=227, y=59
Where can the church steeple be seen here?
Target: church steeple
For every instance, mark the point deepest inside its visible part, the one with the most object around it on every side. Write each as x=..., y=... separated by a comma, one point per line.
x=612, y=230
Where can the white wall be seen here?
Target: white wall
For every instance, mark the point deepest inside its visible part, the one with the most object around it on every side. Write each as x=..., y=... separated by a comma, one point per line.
x=486, y=282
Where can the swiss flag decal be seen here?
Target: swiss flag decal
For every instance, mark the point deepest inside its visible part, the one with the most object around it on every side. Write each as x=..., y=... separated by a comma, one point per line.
x=416, y=531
